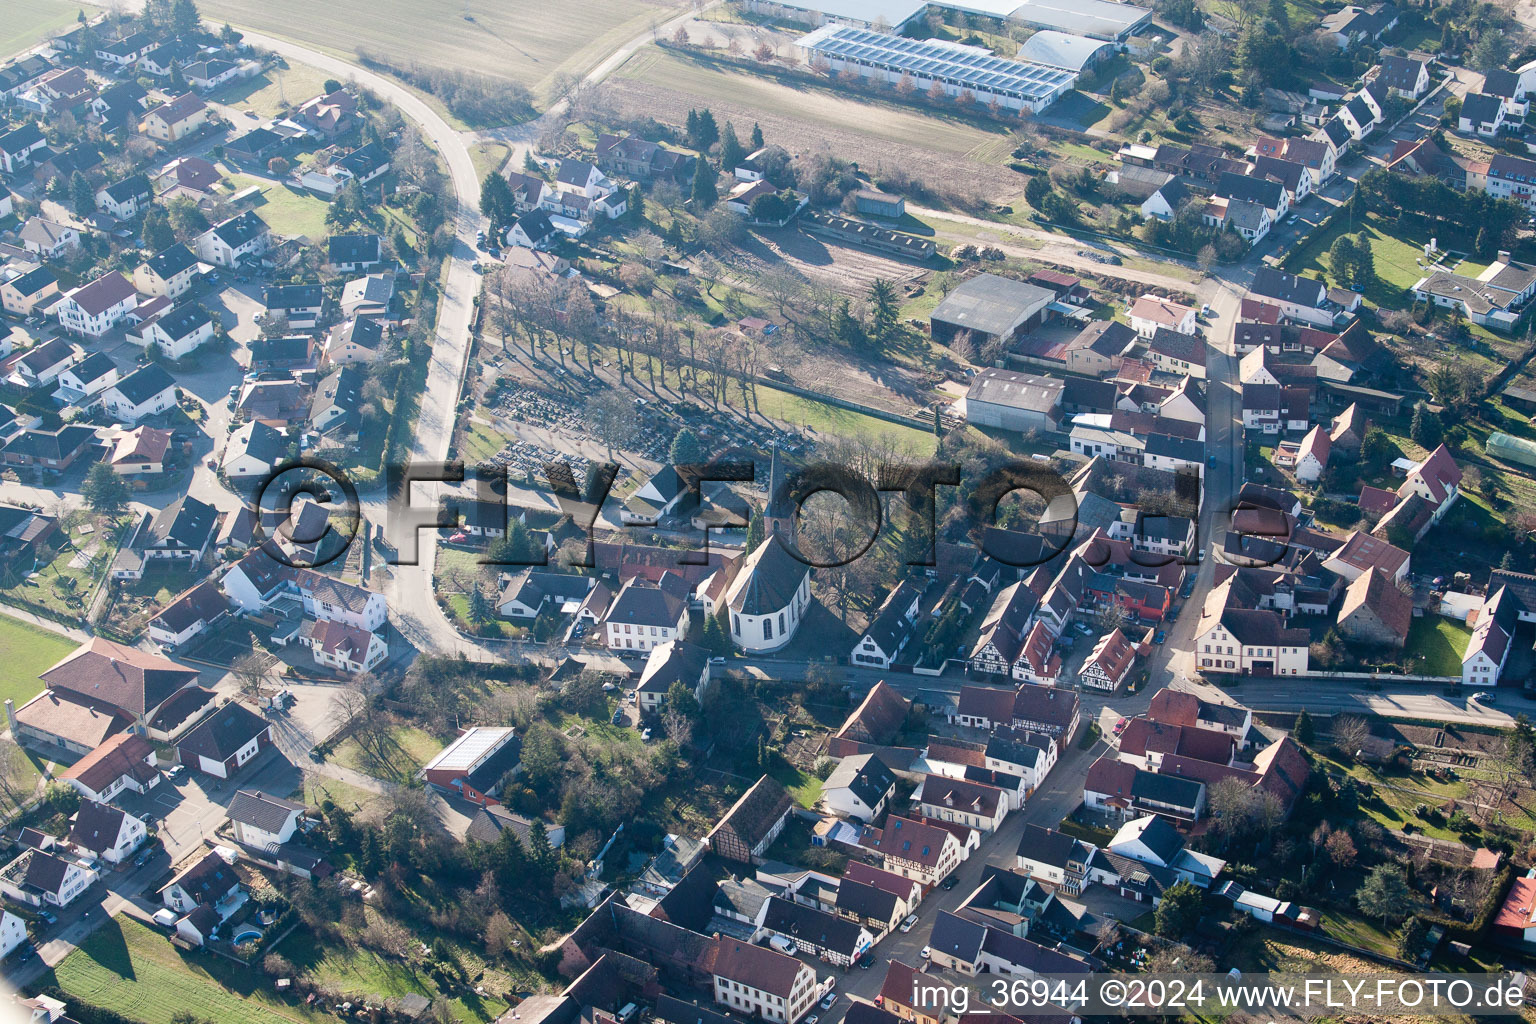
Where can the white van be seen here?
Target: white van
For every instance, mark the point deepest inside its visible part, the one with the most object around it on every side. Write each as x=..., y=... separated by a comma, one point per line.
x=627, y=1012
x=783, y=945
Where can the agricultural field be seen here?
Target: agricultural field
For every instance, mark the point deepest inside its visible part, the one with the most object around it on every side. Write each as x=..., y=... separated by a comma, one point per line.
x=27, y=652
x=139, y=974
x=805, y=116
x=28, y=22
x=484, y=37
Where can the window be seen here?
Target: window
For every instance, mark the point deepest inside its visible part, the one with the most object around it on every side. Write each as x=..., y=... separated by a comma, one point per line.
x=767, y=629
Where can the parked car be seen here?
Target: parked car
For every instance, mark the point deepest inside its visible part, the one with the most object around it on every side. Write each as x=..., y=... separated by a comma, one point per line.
x=1484, y=697
x=926, y=953
x=826, y=1004
x=909, y=923
x=949, y=882
x=1161, y=635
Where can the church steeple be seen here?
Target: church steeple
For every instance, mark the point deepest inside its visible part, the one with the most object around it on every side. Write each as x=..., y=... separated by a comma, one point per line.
x=779, y=512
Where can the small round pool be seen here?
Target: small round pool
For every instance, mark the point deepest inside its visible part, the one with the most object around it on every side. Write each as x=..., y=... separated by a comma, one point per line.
x=249, y=935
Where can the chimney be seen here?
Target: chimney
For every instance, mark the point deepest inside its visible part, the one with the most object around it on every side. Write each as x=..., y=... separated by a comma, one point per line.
x=1503, y=255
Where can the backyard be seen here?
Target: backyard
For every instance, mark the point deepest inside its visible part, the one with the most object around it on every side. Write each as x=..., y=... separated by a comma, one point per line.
x=63, y=587
x=287, y=210
x=1439, y=643
x=27, y=652
x=139, y=974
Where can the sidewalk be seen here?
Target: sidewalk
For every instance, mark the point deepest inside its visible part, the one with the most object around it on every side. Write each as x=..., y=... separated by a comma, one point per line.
x=23, y=615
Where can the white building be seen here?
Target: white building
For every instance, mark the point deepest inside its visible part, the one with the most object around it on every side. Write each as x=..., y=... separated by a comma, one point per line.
x=177, y=332
x=101, y=830
x=768, y=597
x=236, y=240
x=94, y=309
x=262, y=821
x=761, y=982
x=955, y=69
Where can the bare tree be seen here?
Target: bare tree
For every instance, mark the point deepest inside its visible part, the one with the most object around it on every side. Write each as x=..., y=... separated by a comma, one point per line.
x=249, y=672
x=611, y=415
x=1349, y=734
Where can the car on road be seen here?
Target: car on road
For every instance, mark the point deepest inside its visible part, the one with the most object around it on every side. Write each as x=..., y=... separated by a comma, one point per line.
x=48, y=916
x=926, y=953
x=812, y=1019
x=909, y=923
x=949, y=882
x=1120, y=725
x=1188, y=588
x=1160, y=636
x=1083, y=628
x=1484, y=697
x=826, y=1004
x=866, y=961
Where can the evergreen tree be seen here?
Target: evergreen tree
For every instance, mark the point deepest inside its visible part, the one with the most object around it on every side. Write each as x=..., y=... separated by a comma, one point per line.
x=731, y=153
x=81, y=195
x=885, y=311
x=1303, y=731
x=1426, y=429
x=186, y=22
x=1036, y=190
x=1365, y=262
x=105, y=491
x=1486, y=243
x=481, y=611
x=705, y=194
x=496, y=200
x=1341, y=260
x=635, y=205
x=713, y=638
x=709, y=132
x=757, y=136
x=756, y=531
x=691, y=127
x=1507, y=563
x=157, y=231
x=686, y=448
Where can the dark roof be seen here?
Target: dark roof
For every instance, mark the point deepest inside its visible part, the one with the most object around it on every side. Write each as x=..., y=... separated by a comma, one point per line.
x=1272, y=283
x=646, y=604
x=1175, y=345
x=203, y=601
x=182, y=320
x=293, y=296
x=236, y=231
x=353, y=249
x=167, y=263
x=757, y=811
x=184, y=523
x=97, y=826
x=33, y=281
x=260, y=810
x=491, y=821
x=16, y=140
x=536, y=225
x=1269, y=194
x=865, y=900
x=144, y=383
x=222, y=733
x=816, y=927
x=756, y=967
x=673, y=662
x=773, y=576
x=365, y=159
x=1048, y=846
x=956, y=937
x=45, y=871
x=207, y=881
x=867, y=776
x=92, y=368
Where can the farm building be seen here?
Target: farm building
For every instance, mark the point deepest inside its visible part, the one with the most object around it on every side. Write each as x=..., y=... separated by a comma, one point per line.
x=957, y=68
x=1101, y=19
x=991, y=307
x=1064, y=50
x=1013, y=401
x=1510, y=449
x=875, y=203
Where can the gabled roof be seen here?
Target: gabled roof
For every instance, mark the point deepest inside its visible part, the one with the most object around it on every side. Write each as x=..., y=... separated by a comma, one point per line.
x=97, y=826
x=755, y=813
x=261, y=810
x=102, y=294
x=167, y=263
x=223, y=733
x=178, y=109
x=756, y=967
x=1274, y=284
x=866, y=776
x=144, y=383
x=124, y=754
x=1376, y=592
x=123, y=677
x=767, y=579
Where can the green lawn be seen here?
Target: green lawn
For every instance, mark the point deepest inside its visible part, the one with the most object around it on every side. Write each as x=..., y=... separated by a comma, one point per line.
x=803, y=786
x=829, y=419
x=479, y=442
x=1441, y=642
x=287, y=210
x=29, y=22
x=1357, y=931
x=268, y=93
x=408, y=747
x=1396, y=253
x=488, y=157
x=61, y=586
x=28, y=652
x=128, y=968
x=363, y=973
